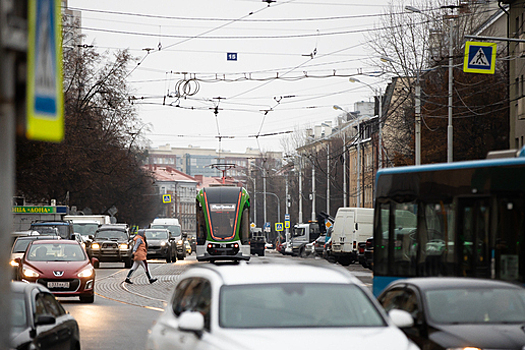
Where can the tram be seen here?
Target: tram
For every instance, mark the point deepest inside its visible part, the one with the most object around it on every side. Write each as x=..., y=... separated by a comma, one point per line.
x=223, y=223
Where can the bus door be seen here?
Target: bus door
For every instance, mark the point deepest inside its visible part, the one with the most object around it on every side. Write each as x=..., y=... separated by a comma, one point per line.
x=474, y=237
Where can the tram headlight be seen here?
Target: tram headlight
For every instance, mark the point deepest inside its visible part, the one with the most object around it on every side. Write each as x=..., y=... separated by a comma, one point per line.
x=236, y=245
x=209, y=245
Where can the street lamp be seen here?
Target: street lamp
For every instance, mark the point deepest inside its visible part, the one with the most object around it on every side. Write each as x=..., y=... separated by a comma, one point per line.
x=327, y=172
x=377, y=92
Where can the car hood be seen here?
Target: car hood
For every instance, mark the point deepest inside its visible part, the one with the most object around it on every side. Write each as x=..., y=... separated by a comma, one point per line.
x=485, y=336
x=19, y=336
x=376, y=338
x=157, y=241
x=46, y=268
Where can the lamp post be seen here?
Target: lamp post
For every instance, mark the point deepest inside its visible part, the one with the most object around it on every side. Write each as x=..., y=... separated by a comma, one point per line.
x=327, y=173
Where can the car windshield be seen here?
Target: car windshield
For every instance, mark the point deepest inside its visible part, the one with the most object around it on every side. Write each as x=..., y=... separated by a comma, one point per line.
x=85, y=228
x=63, y=230
x=55, y=252
x=21, y=245
x=174, y=229
x=18, y=310
x=298, y=231
x=476, y=305
x=111, y=235
x=290, y=305
x=156, y=234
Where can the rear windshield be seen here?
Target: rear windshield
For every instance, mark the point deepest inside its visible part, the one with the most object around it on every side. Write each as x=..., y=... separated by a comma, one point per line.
x=174, y=229
x=63, y=230
x=85, y=228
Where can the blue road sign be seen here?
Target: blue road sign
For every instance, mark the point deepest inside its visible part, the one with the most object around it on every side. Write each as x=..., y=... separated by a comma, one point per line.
x=166, y=198
x=278, y=226
x=479, y=57
x=287, y=217
x=231, y=56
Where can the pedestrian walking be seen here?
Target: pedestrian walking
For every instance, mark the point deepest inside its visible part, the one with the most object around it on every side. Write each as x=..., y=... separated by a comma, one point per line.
x=140, y=254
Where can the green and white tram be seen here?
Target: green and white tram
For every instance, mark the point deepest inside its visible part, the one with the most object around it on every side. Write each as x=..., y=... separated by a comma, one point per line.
x=223, y=223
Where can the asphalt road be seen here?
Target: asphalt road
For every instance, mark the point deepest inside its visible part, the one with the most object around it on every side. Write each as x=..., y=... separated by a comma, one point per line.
x=122, y=314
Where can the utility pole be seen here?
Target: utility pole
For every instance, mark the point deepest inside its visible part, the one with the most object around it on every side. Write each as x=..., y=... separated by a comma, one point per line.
x=313, y=190
x=344, y=169
x=13, y=48
x=300, y=192
x=328, y=177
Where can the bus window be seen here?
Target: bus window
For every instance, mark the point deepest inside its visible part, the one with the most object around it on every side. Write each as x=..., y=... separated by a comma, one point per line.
x=437, y=238
x=509, y=233
x=405, y=243
x=474, y=224
x=381, y=243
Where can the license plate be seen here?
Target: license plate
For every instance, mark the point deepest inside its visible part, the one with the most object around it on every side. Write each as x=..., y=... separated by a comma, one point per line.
x=57, y=284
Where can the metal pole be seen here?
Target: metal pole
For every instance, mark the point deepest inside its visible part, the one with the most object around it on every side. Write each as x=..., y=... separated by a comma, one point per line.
x=450, y=84
x=255, y=200
x=313, y=191
x=380, y=141
x=328, y=178
x=300, y=192
x=264, y=196
x=287, y=230
x=344, y=169
x=7, y=178
x=418, y=119
x=358, y=163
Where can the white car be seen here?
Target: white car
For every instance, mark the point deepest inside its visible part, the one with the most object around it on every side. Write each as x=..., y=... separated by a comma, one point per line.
x=268, y=306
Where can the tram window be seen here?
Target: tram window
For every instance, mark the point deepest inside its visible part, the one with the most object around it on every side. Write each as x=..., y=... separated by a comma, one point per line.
x=474, y=227
x=245, y=226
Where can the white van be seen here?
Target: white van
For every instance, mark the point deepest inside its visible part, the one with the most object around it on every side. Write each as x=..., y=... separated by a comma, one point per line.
x=351, y=226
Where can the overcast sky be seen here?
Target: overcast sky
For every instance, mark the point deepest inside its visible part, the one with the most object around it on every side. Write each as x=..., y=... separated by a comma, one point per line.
x=301, y=43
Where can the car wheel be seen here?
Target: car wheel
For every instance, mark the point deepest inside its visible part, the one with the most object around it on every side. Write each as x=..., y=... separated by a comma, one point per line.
x=345, y=260
x=331, y=259
x=87, y=298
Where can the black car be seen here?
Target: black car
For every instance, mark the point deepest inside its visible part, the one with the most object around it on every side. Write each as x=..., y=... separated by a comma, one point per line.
x=161, y=244
x=111, y=243
x=38, y=321
x=455, y=312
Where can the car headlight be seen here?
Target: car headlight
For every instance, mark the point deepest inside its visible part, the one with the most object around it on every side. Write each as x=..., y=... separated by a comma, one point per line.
x=162, y=244
x=86, y=272
x=123, y=246
x=179, y=241
x=95, y=246
x=465, y=348
x=29, y=273
x=13, y=263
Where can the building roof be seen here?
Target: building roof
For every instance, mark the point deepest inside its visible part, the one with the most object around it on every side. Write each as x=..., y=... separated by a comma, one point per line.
x=166, y=173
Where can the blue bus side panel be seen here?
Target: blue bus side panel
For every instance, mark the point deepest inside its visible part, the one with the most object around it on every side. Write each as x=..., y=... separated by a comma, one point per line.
x=379, y=283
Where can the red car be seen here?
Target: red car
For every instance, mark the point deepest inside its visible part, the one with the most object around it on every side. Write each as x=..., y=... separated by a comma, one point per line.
x=60, y=265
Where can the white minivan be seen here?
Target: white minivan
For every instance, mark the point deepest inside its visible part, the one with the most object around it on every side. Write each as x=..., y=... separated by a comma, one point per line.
x=175, y=229
x=351, y=226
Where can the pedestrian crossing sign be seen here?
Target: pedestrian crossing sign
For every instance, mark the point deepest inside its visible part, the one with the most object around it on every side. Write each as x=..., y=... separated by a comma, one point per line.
x=479, y=57
x=166, y=198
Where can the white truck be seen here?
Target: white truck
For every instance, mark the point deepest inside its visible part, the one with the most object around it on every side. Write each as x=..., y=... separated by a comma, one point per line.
x=351, y=226
x=86, y=225
x=301, y=235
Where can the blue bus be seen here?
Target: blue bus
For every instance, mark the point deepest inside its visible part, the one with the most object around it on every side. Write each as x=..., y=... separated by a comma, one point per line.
x=453, y=219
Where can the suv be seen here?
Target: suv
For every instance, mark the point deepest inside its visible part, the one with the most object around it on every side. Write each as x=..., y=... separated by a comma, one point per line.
x=50, y=228
x=111, y=243
x=161, y=244
x=174, y=227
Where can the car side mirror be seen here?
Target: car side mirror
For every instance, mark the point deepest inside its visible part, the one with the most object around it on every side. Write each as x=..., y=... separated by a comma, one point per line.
x=45, y=320
x=401, y=318
x=192, y=321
